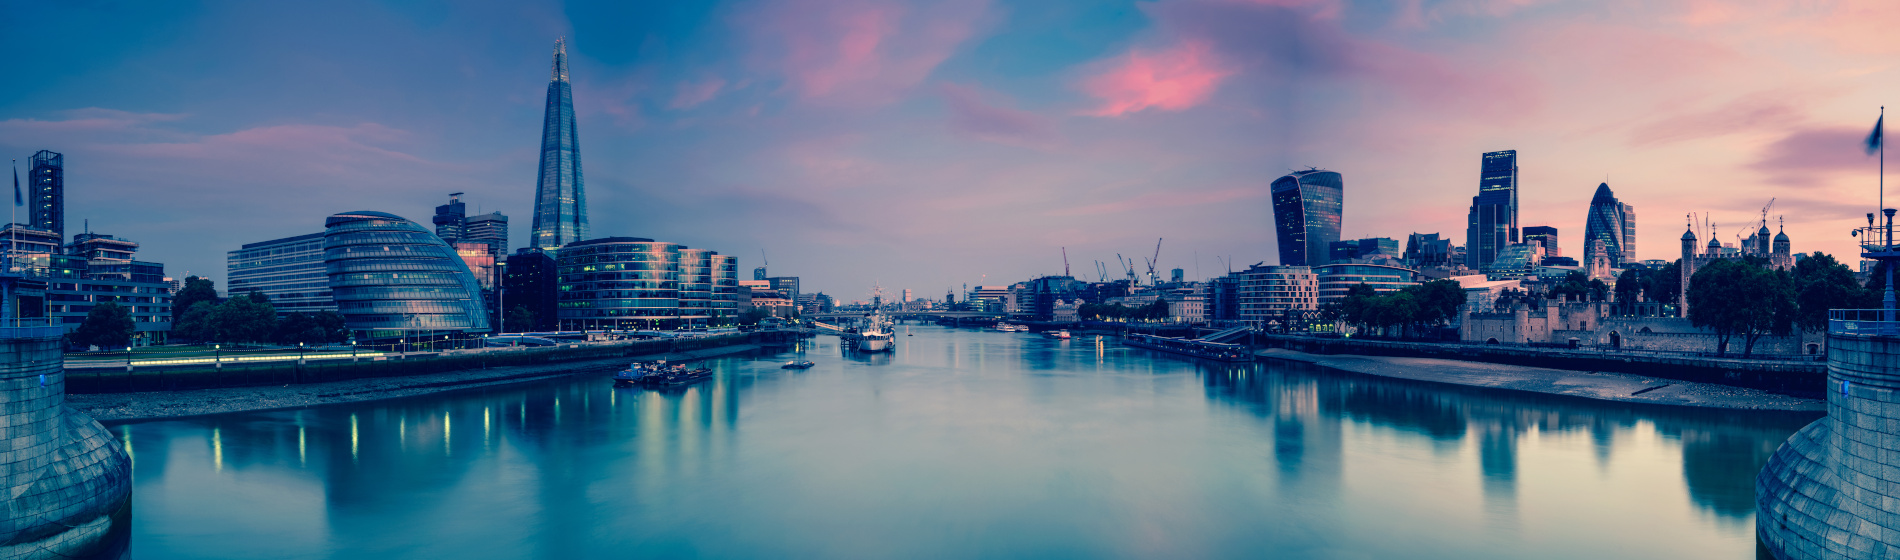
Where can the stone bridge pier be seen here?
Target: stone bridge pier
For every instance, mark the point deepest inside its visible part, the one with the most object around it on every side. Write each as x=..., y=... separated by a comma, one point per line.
x=68, y=482
x=1832, y=491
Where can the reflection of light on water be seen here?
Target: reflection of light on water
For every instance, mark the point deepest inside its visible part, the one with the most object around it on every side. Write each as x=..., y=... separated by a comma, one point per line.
x=486, y=433
x=402, y=432
x=352, y=438
x=125, y=435
x=303, y=457
x=557, y=410
x=445, y=435
x=217, y=451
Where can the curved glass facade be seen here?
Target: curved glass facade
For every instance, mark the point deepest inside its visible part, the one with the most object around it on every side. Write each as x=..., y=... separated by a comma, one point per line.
x=619, y=283
x=1306, y=214
x=390, y=274
x=696, y=285
x=1335, y=280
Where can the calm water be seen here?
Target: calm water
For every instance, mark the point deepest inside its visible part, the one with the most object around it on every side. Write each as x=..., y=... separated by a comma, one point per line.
x=962, y=444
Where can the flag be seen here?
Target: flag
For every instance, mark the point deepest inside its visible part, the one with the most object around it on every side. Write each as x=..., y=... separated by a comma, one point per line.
x=1873, y=139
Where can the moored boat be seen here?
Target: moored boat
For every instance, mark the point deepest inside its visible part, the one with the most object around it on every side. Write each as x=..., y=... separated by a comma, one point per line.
x=797, y=365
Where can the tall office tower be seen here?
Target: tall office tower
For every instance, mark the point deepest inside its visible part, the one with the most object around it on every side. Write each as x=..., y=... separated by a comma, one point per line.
x=1500, y=174
x=1306, y=214
x=451, y=220
x=1487, y=229
x=46, y=192
x=1609, y=221
x=758, y=273
x=1543, y=236
x=1629, y=234
x=560, y=203
x=490, y=228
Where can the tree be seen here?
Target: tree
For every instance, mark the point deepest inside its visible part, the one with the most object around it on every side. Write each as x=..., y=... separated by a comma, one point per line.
x=194, y=290
x=1664, y=284
x=245, y=319
x=196, y=324
x=1821, y=283
x=1741, y=298
x=1438, y=301
x=108, y=325
x=1574, y=287
x=519, y=319
x=335, y=329
x=1629, y=288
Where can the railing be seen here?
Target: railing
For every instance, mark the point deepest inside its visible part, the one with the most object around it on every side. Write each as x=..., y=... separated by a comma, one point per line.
x=32, y=327
x=1863, y=322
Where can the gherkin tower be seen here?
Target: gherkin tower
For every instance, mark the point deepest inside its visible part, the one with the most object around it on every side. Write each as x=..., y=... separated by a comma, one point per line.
x=560, y=202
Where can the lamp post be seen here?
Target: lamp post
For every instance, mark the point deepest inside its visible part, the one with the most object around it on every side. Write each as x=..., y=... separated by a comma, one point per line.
x=352, y=351
x=218, y=356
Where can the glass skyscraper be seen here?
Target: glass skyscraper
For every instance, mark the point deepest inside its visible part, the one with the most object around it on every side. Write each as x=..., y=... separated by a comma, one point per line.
x=46, y=192
x=394, y=278
x=1306, y=212
x=1500, y=174
x=290, y=271
x=696, y=285
x=1487, y=228
x=560, y=204
x=1614, y=224
x=619, y=283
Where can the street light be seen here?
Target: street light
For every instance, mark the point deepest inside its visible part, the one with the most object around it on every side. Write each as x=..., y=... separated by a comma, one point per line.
x=218, y=356
x=352, y=351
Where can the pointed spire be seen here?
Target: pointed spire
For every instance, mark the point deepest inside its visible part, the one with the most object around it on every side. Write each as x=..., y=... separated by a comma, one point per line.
x=560, y=60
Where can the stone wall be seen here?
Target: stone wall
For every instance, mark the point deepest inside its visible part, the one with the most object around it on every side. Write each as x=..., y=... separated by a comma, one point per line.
x=68, y=481
x=1833, y=490
x=1592, y=326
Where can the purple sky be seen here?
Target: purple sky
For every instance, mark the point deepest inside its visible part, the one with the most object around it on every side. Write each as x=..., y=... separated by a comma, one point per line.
x=925, y=145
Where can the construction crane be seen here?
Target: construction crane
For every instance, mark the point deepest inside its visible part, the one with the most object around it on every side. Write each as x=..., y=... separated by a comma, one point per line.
x=1065, y=261
x=1101, y=271
x=1764, y=212
x=1152, y=279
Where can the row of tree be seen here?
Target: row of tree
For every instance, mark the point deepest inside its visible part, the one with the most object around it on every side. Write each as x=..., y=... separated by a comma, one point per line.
x=1744, y=298
x=1108, y=312
x=1429, y=304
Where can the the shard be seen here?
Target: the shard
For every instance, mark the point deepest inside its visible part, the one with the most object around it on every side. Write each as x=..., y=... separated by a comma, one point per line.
x=560, y=204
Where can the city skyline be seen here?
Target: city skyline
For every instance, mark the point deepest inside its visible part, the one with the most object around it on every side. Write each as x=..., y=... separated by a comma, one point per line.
x=898, y=142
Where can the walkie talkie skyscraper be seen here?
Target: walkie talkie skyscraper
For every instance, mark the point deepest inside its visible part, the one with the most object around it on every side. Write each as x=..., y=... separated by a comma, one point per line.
x=560, y=200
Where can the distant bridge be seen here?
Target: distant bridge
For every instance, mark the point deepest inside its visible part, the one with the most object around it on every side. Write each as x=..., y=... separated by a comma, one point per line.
x=828, y=317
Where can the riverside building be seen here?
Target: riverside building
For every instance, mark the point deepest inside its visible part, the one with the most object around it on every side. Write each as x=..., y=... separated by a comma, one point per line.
x=393, y=279
x=290, y=271
x=46, y=192
x=1335, y=280
x=1269, y=292
x=619, y=283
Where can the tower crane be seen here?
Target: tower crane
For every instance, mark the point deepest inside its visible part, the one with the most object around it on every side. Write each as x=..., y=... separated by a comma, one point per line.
x=1764, y=212
x=1152, y=279
x=1065, y=261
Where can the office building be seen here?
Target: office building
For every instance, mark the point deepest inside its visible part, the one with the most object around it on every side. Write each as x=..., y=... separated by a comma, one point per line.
x=725, y=295
x=289, y=271
x=787, y=285
x=619, y=283
x=46, y=192
x=1341, y=251
x=1427, y=250
x=531, y=282
x=696, y=286
x=758, y=273
x=1611, y=228
x=21, y=240
x=1488, y=227
x=759, y=294
x=1306, y=211
x=451, y=220
x=1335, y=280
x=1499, y=174
x=1263, y=293
x=393, y=279
x=1544, y=237
x=560, y=204
x=490, y=228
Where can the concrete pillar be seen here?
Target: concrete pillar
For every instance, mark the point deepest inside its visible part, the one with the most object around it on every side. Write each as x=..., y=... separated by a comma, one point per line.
x=1833, y=489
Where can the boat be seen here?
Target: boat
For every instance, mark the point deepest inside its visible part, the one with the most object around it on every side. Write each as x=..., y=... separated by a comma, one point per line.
x=660, y=374
x=797, y=365
x=1064, y=335
x=875, y=332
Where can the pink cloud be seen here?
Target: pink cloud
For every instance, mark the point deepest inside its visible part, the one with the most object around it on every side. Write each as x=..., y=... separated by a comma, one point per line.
x=692, y=94
x=1805, y=157
x=1772, y=111
x=857, y=51
x=969, y=116
x=1173, y=79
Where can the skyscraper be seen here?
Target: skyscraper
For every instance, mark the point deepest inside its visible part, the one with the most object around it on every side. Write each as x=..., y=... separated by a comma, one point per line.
x=490, y=228
x=46, y=194
x=1500, y=174
x=1487, y=229
x=1543, y=236
x=451, y=220
x=1306, y=213
x=1614, y=224
x=560, y=204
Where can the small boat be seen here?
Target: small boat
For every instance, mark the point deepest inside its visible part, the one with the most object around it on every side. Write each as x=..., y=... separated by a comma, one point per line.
x=660, y=374
x=797, y=365
x=1064, y=335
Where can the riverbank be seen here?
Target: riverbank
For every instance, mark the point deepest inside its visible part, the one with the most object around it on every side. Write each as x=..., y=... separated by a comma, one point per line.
x=1622, y=387
x=109, y=407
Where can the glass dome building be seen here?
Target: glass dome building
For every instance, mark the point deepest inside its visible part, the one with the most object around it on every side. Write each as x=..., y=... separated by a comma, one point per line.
x=393, y=278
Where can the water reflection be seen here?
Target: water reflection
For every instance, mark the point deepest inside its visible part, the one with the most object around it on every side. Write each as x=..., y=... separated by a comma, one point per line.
x=959, y=444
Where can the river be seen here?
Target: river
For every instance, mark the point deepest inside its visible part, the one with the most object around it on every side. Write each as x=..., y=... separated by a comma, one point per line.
x=960, y=444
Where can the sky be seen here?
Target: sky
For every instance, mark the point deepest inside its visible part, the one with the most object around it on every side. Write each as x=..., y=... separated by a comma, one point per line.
x=926, y=145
